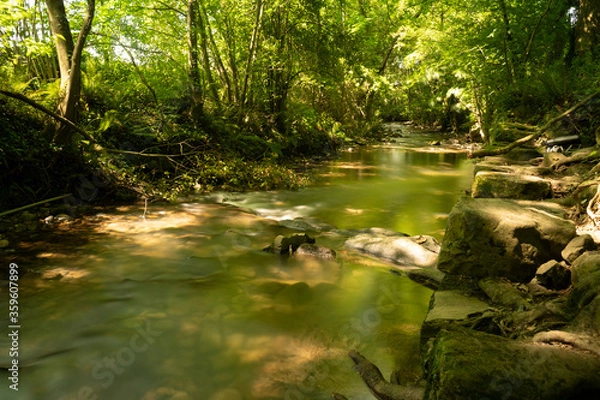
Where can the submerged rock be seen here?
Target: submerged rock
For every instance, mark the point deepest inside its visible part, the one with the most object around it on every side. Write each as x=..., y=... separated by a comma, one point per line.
x=286, y=245
x=503, y=238
x=315, y=250
x=420, y=251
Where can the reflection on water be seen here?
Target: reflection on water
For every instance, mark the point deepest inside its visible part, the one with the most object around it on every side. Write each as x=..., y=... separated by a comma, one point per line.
x=183, y=304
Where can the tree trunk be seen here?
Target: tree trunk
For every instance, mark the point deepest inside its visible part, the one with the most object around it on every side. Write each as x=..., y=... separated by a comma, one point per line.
x=59, y=25
x=587, y=27
x=252, y=47
x=69, y=59
x=212, y=88
x=197, y=94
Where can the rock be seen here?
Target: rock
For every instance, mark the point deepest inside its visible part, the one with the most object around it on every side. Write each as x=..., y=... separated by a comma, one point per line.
x=520, y=154
x=502, y=238
x=286, y=245
x=554, y=275
x=585, y=267
x=466, y=364
x=315, y=250
x=447, y=307
x=63, y=218
x=578, y=246
x=552, y=157
x=428, y=277
x=27, y=216
x=585, y=276
x=420, y=251
x=584, y=298
x=503, y=293
x=506, y=185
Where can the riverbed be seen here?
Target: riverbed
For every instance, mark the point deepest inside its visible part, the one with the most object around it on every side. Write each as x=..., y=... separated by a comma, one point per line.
x=180, y=302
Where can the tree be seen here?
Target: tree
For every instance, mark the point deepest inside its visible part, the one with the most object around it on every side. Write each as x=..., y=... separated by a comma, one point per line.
x=69, y=60
x=588, y=27
x=196, y=90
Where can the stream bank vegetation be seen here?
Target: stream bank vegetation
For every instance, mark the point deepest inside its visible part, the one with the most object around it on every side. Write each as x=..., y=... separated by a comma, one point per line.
x=158, y=100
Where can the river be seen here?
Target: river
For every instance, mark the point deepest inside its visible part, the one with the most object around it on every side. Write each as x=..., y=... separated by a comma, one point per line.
x=179, y=302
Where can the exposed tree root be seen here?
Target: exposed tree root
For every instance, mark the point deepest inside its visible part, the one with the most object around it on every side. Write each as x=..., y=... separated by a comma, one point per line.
x=382, y=389
x=579, y=342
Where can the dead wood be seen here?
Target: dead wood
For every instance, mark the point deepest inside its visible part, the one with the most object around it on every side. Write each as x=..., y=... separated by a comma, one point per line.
x=538, y=131
x=52, y=114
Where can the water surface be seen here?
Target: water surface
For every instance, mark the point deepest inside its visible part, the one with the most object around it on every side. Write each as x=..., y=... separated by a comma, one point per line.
x=183, y=304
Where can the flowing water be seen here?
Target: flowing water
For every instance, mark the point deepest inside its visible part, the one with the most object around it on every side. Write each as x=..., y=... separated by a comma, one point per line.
x=181, y=303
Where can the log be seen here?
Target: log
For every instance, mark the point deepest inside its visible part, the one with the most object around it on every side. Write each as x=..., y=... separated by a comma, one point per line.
x=536, y=134
x=379, y=387
x=34, y=204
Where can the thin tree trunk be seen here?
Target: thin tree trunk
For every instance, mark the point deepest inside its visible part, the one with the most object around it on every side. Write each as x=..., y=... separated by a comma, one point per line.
x=69, y=60
x=197, y=94
x=59, y=25
x=534, y=32
x=253, y=45
x=222, y=71
x=205, y=56
x=510, y=68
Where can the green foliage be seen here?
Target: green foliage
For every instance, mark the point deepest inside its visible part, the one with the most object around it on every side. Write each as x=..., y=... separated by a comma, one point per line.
x=292, y=78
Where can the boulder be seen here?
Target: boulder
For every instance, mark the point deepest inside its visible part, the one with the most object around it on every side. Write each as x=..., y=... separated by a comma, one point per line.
x=428, y=277
x=504, y=293
x=506, y=185
x=521, y=154
x=420, y=251
x=578, y=246
x=584, y=298
x=286, y=245
x=466, y=364
x=446, y=308
x=503, y=238
x=315, y=250
x=554, y=275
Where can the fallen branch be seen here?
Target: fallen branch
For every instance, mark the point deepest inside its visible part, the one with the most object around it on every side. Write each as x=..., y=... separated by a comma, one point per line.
x=537, y=132
x=33, y=205
x=141, y=154
x=54, y=115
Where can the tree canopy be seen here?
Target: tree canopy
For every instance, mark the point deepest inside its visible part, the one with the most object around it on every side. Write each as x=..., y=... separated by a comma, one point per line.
x=268, y=79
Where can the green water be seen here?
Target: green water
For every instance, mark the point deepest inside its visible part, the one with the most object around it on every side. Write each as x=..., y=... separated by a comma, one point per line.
x=183, y=304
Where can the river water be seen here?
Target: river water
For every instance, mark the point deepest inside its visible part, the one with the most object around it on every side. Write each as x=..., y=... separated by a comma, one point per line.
x=180, y=302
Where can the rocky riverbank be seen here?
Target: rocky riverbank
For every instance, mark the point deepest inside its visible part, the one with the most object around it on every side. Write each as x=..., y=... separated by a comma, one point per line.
x=516, y=313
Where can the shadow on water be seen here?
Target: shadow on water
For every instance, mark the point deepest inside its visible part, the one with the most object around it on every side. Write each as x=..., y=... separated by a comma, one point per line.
x=184, y=304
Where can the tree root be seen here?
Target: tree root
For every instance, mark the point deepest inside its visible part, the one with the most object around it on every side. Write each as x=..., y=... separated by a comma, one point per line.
x=379, y=387
x=580, y=342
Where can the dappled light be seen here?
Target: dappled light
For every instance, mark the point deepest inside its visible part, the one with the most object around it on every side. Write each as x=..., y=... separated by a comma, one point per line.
x=184, y=301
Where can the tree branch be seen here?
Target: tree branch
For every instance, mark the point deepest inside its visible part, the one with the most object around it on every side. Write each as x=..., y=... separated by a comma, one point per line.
x=54, y=115
x=536, y=134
